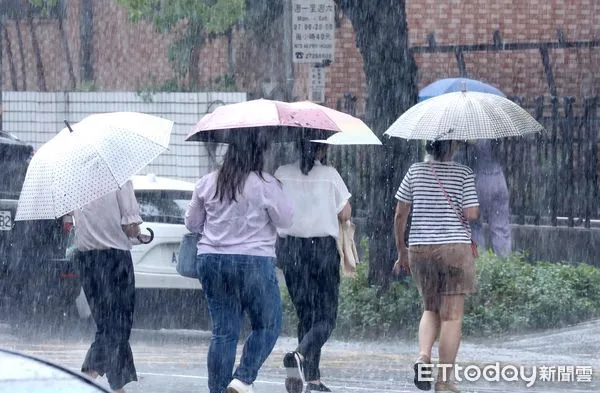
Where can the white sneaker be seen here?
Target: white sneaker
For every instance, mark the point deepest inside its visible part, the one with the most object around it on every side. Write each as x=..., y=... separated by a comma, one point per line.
x=237, y=386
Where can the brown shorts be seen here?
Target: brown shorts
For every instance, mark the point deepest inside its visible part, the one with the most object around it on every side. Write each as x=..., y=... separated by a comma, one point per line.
x=442, y=269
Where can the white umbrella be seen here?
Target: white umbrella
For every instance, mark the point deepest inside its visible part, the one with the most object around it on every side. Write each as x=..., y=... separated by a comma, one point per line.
x=98, y=156
x=350, y=138
x=464, y=115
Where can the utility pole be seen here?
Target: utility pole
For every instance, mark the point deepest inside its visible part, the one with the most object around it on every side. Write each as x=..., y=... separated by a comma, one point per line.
x=287, y=50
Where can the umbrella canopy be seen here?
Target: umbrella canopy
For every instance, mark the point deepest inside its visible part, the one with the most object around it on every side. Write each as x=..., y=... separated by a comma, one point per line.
x=98, y=156
x=284, y=120
x=464, y=115
x=449, y=85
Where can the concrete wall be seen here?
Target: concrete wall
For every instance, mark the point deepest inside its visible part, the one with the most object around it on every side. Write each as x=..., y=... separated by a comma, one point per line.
x=558, y=244
x=540, y=243
x=36, y=117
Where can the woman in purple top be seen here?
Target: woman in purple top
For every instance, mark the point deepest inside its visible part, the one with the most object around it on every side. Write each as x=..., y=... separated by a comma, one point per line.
x=237, y=210
x=482, y=156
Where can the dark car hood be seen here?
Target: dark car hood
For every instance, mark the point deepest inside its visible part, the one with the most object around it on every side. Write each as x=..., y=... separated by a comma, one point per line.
x=14, y=159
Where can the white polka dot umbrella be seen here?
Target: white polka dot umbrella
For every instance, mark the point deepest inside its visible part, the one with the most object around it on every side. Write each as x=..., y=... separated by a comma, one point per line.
x=98, y=156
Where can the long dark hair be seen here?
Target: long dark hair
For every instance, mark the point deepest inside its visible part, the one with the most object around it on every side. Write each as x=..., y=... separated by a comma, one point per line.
x=308, y=154
x=244, y=155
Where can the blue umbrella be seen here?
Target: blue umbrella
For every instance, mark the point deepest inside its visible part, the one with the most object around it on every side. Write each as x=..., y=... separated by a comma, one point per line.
x=449, y=85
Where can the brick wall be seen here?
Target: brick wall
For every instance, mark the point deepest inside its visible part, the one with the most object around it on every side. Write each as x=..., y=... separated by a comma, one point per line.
x=127, y=56
x=514, y=72
x=23, y=71
x=130, y=56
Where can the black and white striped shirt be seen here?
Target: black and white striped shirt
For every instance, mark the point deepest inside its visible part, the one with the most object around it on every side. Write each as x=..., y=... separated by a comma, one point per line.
x=434, y=221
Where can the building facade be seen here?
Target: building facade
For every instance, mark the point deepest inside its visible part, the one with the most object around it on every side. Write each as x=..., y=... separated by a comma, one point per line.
x=54, y=54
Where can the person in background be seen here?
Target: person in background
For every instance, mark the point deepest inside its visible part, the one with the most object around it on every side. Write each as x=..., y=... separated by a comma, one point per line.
x=237, y=209
x=308, y=255
x=439, y=256
x=481, y=156
x=103, y=258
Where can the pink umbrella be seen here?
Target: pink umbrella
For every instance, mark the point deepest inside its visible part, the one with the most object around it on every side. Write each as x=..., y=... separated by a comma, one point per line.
x=286, y=119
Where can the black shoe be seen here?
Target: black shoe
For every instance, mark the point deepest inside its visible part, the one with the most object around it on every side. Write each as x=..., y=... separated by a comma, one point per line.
x=426, y=368
x=314, y=387
x=294, y=382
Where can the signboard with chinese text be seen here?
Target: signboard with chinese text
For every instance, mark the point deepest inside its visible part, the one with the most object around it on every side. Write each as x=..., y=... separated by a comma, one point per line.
x=313, y=30
x=316, y=86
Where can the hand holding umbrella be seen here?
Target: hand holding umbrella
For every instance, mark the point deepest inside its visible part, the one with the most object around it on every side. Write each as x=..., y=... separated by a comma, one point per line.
x=142, y=238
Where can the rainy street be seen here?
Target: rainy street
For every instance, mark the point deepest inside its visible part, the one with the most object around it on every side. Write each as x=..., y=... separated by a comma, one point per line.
x=174, y=361
x=364, y=196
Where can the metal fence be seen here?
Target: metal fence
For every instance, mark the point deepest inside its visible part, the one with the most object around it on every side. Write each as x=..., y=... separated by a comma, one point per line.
x=552, y=178
x=36, y=117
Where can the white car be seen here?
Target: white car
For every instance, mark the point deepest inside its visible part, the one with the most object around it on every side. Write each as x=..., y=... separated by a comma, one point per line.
x=162, y=203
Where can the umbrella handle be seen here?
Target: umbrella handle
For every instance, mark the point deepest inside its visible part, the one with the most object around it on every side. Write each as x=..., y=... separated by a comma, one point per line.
x=151, y=237
x=68, y=125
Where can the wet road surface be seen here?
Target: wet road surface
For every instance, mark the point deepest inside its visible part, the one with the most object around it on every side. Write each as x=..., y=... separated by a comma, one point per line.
x=175, y=361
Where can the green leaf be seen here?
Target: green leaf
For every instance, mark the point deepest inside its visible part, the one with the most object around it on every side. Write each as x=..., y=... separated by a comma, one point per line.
x=194, y=21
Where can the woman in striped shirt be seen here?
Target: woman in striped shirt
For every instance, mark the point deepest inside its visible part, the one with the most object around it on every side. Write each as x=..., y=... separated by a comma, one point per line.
x=439, y=255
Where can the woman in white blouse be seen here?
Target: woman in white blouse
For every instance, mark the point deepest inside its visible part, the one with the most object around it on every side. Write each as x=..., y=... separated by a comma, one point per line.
x=308, y=256
x=103, y=257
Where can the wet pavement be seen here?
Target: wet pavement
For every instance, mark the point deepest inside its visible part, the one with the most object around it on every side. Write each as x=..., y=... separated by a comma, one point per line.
x=175, y=361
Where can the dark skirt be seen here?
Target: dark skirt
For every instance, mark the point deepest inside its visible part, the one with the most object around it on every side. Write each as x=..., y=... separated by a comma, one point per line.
x=311, y=267
x=108, y=281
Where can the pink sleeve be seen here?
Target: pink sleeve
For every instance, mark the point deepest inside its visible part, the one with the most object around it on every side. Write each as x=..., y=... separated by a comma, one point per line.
x=278, y=205
x=196, y=214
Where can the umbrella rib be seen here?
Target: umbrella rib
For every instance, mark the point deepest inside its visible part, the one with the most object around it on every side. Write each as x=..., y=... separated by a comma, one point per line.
x=52, y=193
x=325, y=112
x=138, y=169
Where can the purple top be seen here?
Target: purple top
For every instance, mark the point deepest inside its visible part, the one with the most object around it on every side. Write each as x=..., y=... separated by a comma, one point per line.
x=247, y=226
x=482, y=158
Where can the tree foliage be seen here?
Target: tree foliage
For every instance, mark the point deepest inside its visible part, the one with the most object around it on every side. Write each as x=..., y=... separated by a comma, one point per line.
x=20, y=9
x=192, y=20
x=213, y=17
x=44, y=4
x=514, y=296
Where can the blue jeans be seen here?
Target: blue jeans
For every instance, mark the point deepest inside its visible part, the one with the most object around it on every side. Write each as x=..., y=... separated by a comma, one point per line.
x=234, y=284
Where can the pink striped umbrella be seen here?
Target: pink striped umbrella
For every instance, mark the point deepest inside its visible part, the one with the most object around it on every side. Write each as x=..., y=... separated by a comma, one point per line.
x=286, y=119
